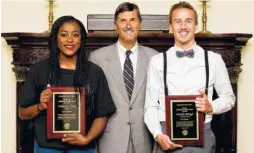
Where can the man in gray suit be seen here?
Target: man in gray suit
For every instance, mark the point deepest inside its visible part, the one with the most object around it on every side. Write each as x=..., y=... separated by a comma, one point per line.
x=125, y=65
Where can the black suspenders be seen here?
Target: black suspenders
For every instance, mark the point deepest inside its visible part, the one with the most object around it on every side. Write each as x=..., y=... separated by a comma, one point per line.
x=206, y=72
x=165, y=72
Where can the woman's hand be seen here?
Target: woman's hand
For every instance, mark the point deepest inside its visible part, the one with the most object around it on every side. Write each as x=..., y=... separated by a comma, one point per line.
x=75, y=139
x=45, y=96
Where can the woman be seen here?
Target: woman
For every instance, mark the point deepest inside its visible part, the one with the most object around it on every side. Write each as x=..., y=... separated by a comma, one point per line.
x=66, y=66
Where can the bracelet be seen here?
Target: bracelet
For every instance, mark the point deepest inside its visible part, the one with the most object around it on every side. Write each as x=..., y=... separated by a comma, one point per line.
x=38, y=108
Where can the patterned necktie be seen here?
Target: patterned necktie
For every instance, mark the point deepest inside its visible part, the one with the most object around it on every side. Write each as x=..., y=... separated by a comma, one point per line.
x=188, y=53
x=128, y=74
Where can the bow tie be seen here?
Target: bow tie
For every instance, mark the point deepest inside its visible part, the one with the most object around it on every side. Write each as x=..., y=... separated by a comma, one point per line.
x=188, y=53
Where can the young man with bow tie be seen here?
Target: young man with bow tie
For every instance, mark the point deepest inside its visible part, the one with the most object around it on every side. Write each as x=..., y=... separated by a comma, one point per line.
x=186, y=75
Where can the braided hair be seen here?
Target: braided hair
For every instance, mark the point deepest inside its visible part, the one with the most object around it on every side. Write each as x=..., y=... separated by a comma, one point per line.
x=81, y=65
x=81, y=73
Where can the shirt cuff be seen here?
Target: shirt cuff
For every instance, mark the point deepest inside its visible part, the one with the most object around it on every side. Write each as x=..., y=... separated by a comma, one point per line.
x=214, y=107
x=157, y=132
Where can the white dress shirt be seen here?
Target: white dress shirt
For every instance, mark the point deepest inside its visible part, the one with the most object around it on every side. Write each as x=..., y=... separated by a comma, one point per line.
x=185, y=76
x=133, y=56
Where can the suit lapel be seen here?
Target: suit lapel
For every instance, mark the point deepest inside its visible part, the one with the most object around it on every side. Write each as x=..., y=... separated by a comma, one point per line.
x=115, y=70
x=141, y=70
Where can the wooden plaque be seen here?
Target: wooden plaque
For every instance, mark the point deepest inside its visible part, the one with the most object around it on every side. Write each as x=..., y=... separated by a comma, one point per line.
x=184, y=124
x=66, y=112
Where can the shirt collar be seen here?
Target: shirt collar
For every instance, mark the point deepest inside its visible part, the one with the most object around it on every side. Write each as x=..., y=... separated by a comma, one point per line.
x=194, y=46
x=122, y=49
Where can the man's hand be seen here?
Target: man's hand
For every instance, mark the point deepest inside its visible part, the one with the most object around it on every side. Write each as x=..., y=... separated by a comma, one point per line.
x=165, y=143
x=75, y=139
x=203, y=104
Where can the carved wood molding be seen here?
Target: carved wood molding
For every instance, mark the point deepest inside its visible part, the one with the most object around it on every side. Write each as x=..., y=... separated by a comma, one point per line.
x=29, y=48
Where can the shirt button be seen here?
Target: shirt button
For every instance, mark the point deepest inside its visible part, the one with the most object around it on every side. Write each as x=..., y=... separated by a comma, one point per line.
x=130, y=108
x=129, y=123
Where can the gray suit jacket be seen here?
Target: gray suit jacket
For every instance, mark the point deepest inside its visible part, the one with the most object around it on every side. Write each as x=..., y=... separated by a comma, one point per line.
x=129, y=116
